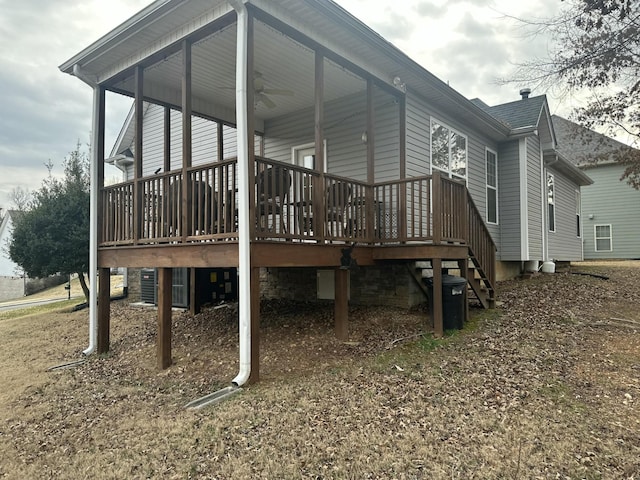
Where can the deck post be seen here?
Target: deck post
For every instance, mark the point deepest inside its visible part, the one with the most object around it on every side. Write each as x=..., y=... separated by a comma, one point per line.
x=341, y=306
x=438, y=320
x=104, y=310
x=436, y=194
x=254, y=377
x=164, y=317
x=195, y=289
x=187, y=143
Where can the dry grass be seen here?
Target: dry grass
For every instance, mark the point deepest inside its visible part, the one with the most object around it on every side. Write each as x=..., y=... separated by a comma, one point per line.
x=545, y=387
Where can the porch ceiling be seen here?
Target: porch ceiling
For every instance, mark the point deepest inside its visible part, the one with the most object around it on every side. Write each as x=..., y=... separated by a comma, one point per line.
x=284, y=72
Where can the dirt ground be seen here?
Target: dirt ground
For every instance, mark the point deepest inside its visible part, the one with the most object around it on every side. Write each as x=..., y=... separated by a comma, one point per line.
x=545, y=386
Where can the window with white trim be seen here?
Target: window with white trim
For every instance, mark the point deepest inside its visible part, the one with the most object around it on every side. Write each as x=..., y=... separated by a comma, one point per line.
x=578, y=214
x=603, y=238
x=551, y=202
x=491, y=162
x=448, y=150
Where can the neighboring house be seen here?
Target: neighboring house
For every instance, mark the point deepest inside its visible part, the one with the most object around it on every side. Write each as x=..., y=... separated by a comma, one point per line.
x=610, y=207
x=348, y=152
x=12, y=284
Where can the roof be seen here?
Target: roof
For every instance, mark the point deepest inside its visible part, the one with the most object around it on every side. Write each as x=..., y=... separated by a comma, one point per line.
x=8, y=216
x=155, y=33
x=520, y=114
x=583, y=146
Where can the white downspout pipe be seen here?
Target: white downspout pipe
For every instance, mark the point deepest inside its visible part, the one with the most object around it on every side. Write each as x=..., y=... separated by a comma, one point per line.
x=244, y=245
x=93, y=209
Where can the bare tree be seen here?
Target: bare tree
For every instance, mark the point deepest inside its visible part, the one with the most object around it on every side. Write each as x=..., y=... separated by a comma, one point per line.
x=595, y=49
x=20, y=198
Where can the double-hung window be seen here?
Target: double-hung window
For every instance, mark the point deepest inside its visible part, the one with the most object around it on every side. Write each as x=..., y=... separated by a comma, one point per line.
x=551, y=202
x=448, y=150
x=492, y=186
x=603, y=238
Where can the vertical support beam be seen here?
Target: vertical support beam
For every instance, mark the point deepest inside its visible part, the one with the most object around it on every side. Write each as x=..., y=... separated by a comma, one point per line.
x=100, y=165
x=195, y=292
x=186, y=140
x=402, y=217
x=167, y=139
x=463, y=265
x=371, y=173
x=137, y=154
x=319, y=191
x=341, y=307
x=438, y=320
x=254, y=377
x=251, y=124
x=220, y=137
x=104, y=311
x=97, y=158
x=436, y=201
x=163, y=352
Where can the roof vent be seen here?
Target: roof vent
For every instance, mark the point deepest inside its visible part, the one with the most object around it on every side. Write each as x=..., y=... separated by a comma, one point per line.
x=525, y=92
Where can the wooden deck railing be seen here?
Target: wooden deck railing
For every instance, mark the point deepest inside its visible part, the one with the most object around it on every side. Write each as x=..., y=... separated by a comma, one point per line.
x=297, y=204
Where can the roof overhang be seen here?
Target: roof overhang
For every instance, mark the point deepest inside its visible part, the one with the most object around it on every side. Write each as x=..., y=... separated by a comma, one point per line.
x=555, y=160
x=155, y=33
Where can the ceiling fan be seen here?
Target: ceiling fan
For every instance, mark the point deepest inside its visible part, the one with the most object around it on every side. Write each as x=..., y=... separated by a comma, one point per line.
x=261, y=93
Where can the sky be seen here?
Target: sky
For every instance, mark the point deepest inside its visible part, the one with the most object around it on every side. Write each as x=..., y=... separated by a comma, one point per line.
x=45, y=113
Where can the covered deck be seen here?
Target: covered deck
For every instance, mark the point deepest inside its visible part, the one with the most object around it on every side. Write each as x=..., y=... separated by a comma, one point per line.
x=276, y=78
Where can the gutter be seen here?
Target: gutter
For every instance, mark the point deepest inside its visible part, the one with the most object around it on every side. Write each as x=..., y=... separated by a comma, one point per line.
x=93, y=211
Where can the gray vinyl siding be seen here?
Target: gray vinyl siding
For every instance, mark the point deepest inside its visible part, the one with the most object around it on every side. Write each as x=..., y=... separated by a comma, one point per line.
x=509, y=240
x=534, y=198
x=418, y=150
x=204, y=134
x=564, y=244
x=345, y=122
x=611, y=202
x=418, y=147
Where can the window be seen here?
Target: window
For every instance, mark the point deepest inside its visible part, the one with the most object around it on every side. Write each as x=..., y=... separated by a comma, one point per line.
x=492, y=186
x=448, y=150
x=603, y=238
x=551, y=201
x=578, y=213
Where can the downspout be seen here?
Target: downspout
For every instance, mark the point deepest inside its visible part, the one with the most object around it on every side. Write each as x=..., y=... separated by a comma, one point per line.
x=93, y=211
x=244, y=245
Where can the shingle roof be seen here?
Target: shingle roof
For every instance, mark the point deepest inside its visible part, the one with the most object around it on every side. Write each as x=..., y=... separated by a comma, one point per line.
x=518, y=114
x=583, y=146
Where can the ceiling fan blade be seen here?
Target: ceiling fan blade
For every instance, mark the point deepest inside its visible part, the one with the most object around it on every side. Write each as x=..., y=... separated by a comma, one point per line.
x=266, y=100
x=278, y=91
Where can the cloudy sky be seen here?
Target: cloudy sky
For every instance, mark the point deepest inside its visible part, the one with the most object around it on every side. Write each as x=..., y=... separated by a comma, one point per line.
x=44, y=113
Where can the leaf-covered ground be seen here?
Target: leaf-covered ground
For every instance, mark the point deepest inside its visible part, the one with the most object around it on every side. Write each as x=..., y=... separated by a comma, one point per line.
x=545, y=386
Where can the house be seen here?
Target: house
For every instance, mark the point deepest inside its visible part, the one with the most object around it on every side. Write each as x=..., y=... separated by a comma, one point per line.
x=288, y=137
x=540, y=198
x=12, y=283
x=611, y=217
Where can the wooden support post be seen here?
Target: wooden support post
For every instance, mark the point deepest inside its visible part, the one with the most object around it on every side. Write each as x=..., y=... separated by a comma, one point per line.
x=137, y=160
x=370, y=213
x=104, y=311
x=463, y=265
x=164, y=317
x=341, y=310
x=195, y=292
x=187, y=143
x=254, y=377
x=438, y=319
x=402, y=207
x=436, y=201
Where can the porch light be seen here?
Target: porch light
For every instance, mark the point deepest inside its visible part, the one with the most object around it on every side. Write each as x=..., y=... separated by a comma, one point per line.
x=364, y=137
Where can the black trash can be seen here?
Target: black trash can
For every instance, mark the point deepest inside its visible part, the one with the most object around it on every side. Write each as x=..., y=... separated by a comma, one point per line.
x=453, y=298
